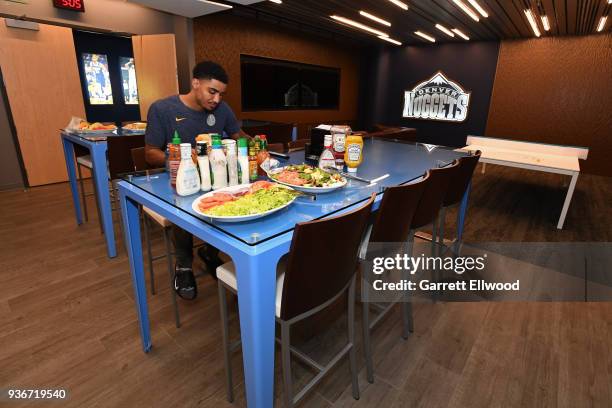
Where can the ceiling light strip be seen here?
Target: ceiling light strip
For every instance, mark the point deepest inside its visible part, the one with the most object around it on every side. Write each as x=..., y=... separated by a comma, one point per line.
x=602, y=23
x=532, y=22
x=461, y=34
x=359, y=25
x=545, y=23
x=214, y=3
x=374, y=18
x=478, y=8
x=277, y=1
x=389, y=39
x=445, y=30
x=399, y=4
x=425, y=36
x=466, y=10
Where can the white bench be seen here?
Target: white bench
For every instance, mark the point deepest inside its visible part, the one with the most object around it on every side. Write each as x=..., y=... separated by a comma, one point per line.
x=533, y=156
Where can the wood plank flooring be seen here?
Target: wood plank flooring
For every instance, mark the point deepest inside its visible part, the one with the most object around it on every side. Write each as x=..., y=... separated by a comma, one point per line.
x=67, y=318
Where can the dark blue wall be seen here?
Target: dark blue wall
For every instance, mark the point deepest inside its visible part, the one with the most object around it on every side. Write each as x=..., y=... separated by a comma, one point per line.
x=397, y=69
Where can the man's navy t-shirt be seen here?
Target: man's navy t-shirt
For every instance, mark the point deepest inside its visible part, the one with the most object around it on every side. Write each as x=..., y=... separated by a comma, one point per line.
x=170, y=114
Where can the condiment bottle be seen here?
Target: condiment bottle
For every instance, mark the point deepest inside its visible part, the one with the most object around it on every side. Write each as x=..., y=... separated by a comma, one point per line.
x=204, y=165
x=174, y=157
x=243, y=161
x=262, y=155
x=252, y=161
x=232, y=161
x=353, y=156
x=218, y=164
x=338, y=144
x=187, y=178
x=327, y=158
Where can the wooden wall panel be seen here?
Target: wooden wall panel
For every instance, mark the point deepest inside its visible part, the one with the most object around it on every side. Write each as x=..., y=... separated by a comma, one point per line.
x=222, y=38
x=556, y=90
x=156, y=72
x=43, y=86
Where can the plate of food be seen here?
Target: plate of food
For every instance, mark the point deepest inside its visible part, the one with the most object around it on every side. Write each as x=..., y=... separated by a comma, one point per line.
x=93, y=128
x=306, y=178
x=135, y=128
x=244, y=202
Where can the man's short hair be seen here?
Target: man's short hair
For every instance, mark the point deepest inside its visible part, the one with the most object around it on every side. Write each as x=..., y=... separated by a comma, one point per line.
x=210, y=70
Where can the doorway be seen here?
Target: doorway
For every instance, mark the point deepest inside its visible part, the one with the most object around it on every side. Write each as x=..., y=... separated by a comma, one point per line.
x=108, y=77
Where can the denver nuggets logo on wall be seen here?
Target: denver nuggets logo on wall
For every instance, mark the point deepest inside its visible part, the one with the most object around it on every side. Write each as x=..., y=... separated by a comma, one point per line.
x=437, y=99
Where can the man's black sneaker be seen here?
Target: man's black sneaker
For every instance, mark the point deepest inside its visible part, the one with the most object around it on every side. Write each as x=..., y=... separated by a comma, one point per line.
x=210, y=257
x=184, y=283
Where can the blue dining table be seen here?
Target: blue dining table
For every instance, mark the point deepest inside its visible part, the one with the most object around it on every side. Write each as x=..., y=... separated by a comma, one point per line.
x=97, y=146
x=256, y=246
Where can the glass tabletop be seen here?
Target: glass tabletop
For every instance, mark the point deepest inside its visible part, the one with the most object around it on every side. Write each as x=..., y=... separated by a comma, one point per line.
x=102, y=136
x=404, y=162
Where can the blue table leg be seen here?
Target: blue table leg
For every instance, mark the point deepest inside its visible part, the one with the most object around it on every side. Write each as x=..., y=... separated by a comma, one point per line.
x=131, y=222
x=69, y=155
x=100, y=176
x=462, y=212
x=256, y=301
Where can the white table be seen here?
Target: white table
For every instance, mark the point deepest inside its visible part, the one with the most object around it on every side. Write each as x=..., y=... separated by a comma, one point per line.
x=533, y=156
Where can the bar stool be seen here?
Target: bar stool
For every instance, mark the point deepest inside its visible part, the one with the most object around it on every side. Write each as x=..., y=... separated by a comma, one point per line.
x=457, y=189
x=419, y=204
x=389, y=228
x=305, y=285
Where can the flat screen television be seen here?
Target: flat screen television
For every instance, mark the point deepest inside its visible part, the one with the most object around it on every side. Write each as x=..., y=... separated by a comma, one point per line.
x=269, y=84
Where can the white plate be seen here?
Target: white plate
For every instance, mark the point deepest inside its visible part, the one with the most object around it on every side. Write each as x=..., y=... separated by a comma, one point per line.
x=94, y=132
x=234, y=218
x=133, y=131
x=315, y=190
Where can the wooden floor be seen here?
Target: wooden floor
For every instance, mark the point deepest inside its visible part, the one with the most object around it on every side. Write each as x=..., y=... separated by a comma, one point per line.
x=67, y=319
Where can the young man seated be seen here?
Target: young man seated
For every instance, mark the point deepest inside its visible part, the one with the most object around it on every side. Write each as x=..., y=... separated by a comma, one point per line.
x=202, y=110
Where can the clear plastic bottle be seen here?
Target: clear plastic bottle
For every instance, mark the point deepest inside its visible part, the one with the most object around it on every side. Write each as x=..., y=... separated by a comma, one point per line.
x=187, y=178
x=204, y=165
x=218, y=165
x=327, y=158
x=232, y=164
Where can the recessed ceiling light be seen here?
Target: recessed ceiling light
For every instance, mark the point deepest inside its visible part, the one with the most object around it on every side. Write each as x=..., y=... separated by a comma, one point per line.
x=391, y=40
x=277, y=1
x=545, y=23
x=374, y=18
x=214, y=3
x=478, y=8
x=445, y=30
x=425, y=36
x=399, y=4
x=602, y=22
x=532, y=22
x=467, y=10
x=460, y=34
x=359, y=25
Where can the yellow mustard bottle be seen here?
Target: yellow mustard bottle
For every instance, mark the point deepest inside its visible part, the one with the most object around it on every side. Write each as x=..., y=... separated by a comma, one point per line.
x=353, y=152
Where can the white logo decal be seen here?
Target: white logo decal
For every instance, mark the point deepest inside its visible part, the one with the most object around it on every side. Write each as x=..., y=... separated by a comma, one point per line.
x=429, y=147
x=437, y=99
x=210, y=120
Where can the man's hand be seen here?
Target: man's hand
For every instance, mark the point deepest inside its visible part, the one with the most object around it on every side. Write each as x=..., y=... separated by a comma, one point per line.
x=154, y=156
x=240, y=134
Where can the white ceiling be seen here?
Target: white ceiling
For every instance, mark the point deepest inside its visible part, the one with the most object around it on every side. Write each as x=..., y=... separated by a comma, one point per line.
x=188, y=8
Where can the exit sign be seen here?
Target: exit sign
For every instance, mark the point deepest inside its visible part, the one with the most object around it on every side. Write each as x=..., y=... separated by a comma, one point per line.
x=75, y=5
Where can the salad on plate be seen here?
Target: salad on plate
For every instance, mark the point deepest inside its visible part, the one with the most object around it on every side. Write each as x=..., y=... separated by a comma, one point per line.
x=304, y=177
x=245, y=202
